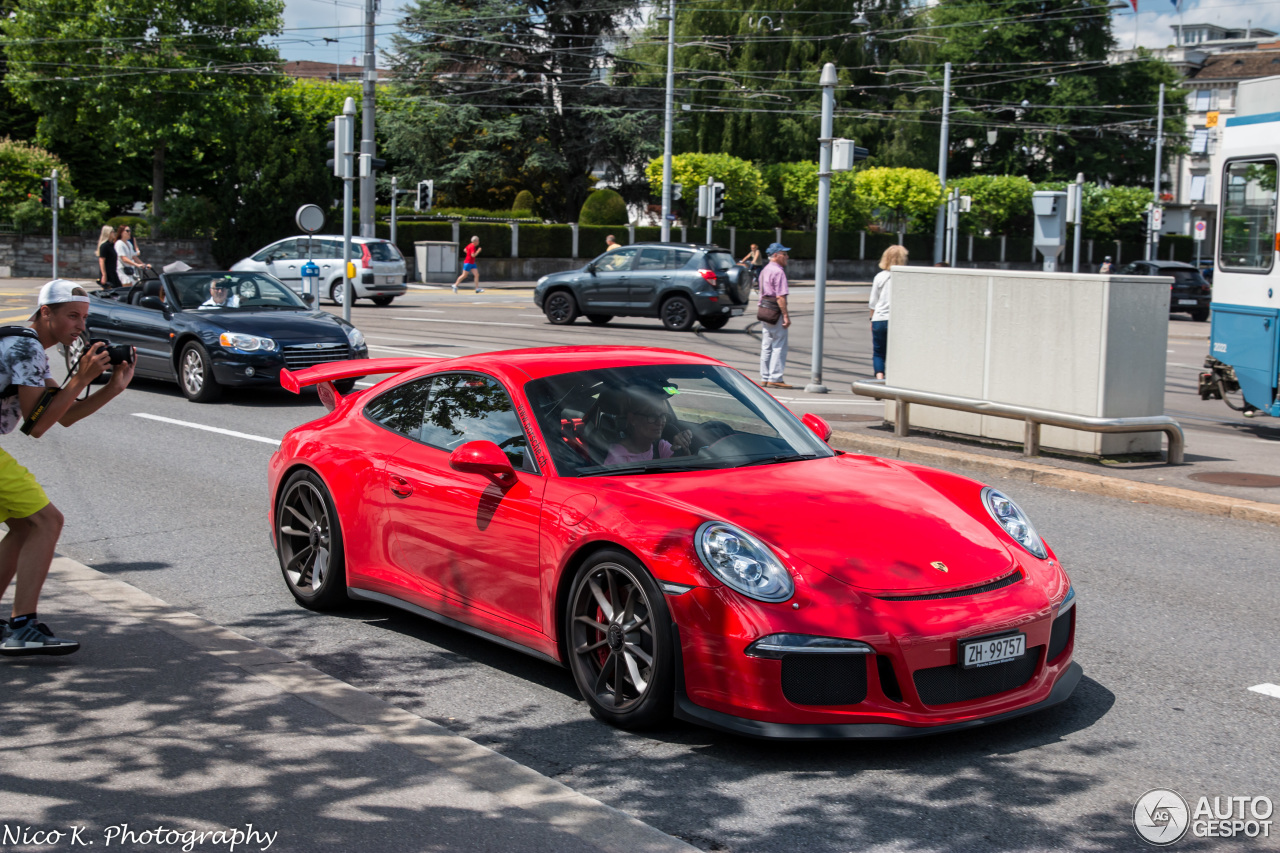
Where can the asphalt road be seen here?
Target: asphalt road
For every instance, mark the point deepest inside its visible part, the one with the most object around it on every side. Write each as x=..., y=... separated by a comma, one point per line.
x=1177, y=622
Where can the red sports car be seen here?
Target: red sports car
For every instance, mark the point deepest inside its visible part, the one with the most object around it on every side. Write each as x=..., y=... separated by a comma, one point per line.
x=682, y=542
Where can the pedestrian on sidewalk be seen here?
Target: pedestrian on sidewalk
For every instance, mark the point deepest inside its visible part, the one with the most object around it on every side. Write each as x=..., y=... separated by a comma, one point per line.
x=35, y=400
x=469, y=264
x=107, y=275
x=128, y=263
x=610, y=244
x=878, y=303
x=1105, y=269
x=773, y=338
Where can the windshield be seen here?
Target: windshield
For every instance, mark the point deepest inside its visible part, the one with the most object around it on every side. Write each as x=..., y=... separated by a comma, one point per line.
x=1181, y=276
x=654, y=418
x=720, y=260
x=232, y=290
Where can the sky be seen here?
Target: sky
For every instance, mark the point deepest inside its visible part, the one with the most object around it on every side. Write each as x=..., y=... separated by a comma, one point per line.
x=309, y=22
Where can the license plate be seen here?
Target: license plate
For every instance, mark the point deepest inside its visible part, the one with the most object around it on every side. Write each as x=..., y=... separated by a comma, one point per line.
x=989, y=650
x=1186, y=302
x=734, y=312
x=386, y=279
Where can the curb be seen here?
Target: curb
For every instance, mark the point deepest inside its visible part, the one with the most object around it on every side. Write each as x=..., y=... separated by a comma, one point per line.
x=1059, y=478
x=522, y=787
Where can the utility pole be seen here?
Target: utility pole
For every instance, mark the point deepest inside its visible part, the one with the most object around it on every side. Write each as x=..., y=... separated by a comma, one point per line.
x=1079, y=222
x=368, y=198
x=668, y=120
x=828, y=82
x=1153, y=233
x=53, y=200
x=346, y=157
x=940, y=225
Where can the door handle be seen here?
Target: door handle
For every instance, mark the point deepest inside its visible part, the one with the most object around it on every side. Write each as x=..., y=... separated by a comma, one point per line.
x=400, y=487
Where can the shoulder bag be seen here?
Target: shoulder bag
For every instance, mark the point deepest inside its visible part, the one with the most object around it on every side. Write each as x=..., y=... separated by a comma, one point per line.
x=768, y=312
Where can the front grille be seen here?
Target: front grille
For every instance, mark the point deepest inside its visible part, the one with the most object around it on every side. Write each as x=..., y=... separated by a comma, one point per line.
x=942, y=685
x=824, y=679
x=1061, y=635
x=1008, y=580
x=299, y=356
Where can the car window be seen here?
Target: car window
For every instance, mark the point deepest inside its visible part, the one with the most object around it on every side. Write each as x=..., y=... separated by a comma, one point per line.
x=1249, y=196
x=310, y=247
x=263, y=254
x=285, y=250
x=654, y=258
x=1131, y=269
x=247, y=289
x=401, y=409
x=720, y=260
x=618, y=259
x=383, y=250
x=466, y=407
x=330, y=250
x=1181, y=276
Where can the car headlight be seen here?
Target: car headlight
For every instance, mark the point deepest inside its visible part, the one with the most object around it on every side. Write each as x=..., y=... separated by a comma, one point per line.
x=1014, y=521
x=356, y=338
x=246, y=343
x=541, y=281
x=743, y=562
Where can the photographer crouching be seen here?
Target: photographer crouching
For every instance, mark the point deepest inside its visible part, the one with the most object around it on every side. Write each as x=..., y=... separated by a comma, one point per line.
x=33, y=400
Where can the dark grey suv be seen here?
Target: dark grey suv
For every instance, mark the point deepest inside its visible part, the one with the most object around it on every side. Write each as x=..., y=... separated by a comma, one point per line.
x=676, y=282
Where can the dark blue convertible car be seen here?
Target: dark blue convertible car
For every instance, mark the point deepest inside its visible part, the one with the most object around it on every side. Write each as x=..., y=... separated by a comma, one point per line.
x=207, y=330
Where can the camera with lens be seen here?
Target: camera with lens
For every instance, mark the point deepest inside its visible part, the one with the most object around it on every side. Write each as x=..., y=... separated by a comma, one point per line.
x=116, y=354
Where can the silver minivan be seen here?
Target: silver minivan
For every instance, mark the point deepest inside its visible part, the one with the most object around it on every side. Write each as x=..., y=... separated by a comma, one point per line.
x=380, y=268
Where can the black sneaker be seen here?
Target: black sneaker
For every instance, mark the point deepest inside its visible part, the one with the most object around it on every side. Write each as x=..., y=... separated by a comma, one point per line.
x=35, y=638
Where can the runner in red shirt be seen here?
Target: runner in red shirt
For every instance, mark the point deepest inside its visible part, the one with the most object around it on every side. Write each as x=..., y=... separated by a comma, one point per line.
x=469, y=264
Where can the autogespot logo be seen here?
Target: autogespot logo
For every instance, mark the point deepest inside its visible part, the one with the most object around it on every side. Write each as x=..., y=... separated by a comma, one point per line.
x=1161, y=817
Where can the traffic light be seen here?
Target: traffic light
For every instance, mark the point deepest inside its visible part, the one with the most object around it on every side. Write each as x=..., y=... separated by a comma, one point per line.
x=677, y=192
x=426, y=196
x=343, y=128
x=46, y=192
x=704, y=200
x=370, y=164
x=717, y=201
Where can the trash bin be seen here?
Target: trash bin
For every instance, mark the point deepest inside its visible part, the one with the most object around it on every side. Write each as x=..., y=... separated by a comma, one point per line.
x=437, y=261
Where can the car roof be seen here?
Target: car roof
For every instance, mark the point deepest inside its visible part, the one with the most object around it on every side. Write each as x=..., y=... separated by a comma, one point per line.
x=551, y=361
x=1172, y=265
x=354, y=238
x=702, y=246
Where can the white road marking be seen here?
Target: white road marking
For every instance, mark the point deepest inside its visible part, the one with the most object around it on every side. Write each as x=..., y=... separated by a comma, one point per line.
x=1267, y=689
x=418, y=341
x=421, y=352
x=466, y=322
x=219, y=430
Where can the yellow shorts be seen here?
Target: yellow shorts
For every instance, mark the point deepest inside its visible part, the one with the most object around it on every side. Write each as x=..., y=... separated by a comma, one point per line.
x=20, y=494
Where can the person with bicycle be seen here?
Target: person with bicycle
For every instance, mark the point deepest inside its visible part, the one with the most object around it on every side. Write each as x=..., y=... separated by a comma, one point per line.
x=128, y=264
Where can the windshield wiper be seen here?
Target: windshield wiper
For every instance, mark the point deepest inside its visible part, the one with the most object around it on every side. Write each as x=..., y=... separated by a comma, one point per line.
x=651, y=468
x=781, y=457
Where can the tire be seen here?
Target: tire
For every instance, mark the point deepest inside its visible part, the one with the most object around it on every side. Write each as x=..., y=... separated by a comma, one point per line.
x=1200, y=315
x=309, y=543
x=195, y=374
x=677, y=313
x=382, y=301
x=714, y=321
x=335, y=293
x=599, y=319
x=345, y=386
x=740, y=281
x=561, y=308
x=607, y=651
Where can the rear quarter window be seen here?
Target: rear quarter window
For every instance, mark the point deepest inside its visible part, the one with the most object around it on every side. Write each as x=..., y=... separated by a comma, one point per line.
x=720, y=260
x=383, y=251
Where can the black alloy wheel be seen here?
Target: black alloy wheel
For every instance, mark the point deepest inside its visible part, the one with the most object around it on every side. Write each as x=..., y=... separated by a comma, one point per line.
x=561, y=308
x=309, y=543
x=619, y=639
x=678, y=314
x=382, y=301
x=599, y=319
x=195, y=374
x=714, y=321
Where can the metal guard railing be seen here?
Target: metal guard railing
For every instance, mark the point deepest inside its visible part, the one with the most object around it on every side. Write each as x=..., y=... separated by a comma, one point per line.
x=1033, y=418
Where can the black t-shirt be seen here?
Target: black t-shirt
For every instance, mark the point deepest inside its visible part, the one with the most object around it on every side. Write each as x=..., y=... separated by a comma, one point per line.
x=107, y=251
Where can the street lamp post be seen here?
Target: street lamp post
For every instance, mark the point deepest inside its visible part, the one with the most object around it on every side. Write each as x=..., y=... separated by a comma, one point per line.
x=828, y=82
x=1153, y=233
x=940, y=223
x=668, y=119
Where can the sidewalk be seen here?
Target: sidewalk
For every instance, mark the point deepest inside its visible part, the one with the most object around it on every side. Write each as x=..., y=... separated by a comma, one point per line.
x=168, y=723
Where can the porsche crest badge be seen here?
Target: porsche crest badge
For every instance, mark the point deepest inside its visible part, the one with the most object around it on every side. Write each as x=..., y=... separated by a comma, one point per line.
x=940, y=566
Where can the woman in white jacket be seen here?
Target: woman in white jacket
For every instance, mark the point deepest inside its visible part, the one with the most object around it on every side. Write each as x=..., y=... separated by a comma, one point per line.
x=879, y=305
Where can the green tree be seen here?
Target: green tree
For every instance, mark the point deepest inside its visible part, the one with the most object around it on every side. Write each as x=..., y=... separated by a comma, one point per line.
x=524, y=202
x=901, y=198
x=794, y=186
x=1000, y=202
x=163, y=79
x=747, y=204
x=514, y=95
x=603, y=207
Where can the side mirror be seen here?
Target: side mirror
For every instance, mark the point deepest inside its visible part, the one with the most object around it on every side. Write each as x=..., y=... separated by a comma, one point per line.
x=591, y=268
x=151, y=302
x=484, y=457
x=820, y=427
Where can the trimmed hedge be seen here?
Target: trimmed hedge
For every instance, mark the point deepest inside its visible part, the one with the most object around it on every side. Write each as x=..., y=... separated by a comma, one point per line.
x=545, y=241
x=604, y=207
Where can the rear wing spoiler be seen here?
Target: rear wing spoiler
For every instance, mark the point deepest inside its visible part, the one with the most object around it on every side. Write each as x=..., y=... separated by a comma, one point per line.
x=325, y=375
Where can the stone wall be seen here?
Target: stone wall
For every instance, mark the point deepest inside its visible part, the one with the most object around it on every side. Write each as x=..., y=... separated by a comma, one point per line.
x=31, y=255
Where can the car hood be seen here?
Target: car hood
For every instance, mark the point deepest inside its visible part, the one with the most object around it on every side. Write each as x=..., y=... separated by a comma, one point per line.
x=875, y=525
x=309, y=325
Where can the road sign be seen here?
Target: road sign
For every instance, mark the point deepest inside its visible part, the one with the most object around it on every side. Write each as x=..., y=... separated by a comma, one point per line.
x=1201, y=228
x=310, y=218
x=1157, y=218
x=671, y=217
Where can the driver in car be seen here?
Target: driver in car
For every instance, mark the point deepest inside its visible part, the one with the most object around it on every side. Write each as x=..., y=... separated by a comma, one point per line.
x=221, y=295
x=646, y=417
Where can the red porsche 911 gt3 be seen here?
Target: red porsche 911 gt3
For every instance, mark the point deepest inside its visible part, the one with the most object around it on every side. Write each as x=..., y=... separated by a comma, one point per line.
x=678, y=539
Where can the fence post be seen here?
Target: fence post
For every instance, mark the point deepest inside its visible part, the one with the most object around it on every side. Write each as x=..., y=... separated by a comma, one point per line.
x=574, y=226
x=515, y=239
x=1118, y=253
x=684, y=233
x=1033, y=251
x=970, y=250
x=862, y=245
x=1090, y=242
x=457, y=229
x=778, y=235
x=1002, y=242
x=631, y=234
x=733, y=240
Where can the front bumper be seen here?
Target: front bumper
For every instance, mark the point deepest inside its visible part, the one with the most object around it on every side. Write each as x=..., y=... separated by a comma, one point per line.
x=259, y=369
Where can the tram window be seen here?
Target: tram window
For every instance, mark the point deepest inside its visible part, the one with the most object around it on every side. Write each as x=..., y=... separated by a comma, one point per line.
x=1248, y=216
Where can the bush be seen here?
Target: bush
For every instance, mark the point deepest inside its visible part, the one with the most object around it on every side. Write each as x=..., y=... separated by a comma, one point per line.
x=603, y=207
x=524, y=202
x=140, y=225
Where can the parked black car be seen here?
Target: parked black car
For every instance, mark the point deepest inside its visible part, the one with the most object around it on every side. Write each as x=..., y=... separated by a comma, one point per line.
x=1191, y=292
x=182, y=335
x=677, y=282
